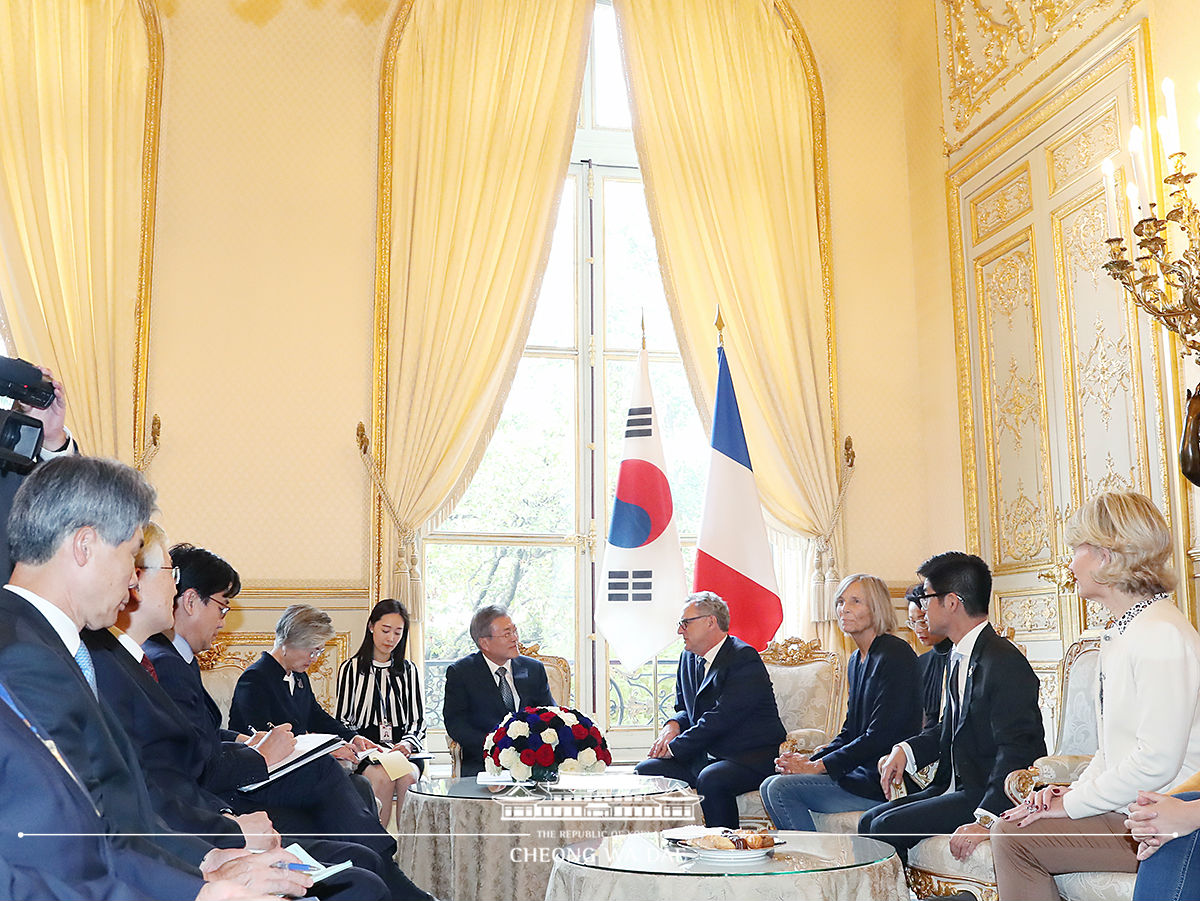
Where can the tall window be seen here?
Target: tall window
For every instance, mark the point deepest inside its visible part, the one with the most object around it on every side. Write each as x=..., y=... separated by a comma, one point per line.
x=529, y=531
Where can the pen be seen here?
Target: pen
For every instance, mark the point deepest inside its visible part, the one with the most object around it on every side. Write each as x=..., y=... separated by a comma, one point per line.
x=299, y=867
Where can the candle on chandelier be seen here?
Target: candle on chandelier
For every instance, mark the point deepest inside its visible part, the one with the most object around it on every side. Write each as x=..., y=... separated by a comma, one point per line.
x=1110, y=197
x=1131, y=191
x=1168, y=135
x=1141, y=175
x=1171, y=136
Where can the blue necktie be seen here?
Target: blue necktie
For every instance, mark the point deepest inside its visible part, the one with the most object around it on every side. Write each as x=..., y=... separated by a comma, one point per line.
x=84, y=659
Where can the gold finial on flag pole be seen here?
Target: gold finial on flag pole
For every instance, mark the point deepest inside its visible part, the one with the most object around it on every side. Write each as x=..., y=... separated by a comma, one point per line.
x=643, y=328
x=720, y=324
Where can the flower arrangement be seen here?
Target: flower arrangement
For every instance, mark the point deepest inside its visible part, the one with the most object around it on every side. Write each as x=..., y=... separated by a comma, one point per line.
x=539, y=742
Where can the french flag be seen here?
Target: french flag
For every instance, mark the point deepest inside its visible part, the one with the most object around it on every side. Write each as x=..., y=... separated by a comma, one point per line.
x=732, y=555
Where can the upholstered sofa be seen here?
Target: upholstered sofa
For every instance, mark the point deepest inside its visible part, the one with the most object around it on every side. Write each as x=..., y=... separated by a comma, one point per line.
x=809, y=691
x=933, y=871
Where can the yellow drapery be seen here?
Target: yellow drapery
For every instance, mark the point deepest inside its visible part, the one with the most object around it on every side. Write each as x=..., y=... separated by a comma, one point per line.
x=73, y=78
x=484, y=99
x=725, y=142
x=726, y=138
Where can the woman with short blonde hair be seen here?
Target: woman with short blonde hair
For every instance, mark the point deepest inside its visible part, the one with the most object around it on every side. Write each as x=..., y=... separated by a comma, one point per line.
x=884, y=708
x=1149, y=716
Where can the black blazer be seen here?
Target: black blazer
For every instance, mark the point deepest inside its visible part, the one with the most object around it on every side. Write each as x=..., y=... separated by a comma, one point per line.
x=1000, y=729
x=174, y=756
x=68, y=852
x=49, y=685
x=933, y=666
x=261, y=696
x=883, y=708
x=731, y=714
x=181, y=680
x=472, y=708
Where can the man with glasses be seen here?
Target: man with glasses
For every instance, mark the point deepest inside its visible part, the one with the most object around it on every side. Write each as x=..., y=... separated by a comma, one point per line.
x=990, y=726
x=485, y=687
x=316, y=799
x=725, y=735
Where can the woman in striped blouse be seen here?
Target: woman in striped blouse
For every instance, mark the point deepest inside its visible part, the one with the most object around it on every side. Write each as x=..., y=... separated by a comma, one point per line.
x=378, y=694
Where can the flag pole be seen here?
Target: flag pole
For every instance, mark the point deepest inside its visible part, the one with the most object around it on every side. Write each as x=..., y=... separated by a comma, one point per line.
x=720, y=324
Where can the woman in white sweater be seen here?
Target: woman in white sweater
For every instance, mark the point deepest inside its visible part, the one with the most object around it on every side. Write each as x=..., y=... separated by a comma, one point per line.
x=1147, y=706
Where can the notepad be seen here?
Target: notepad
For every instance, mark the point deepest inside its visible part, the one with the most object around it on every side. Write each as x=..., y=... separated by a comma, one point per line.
x=319, y=871
x=308, y=748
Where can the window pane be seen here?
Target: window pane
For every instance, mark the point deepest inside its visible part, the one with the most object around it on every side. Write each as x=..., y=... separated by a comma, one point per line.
x=526, y=482
x=646, y=697
x=554, y=317
x=633, y=284
x=684, y=438
x=537, y=584
x=612, y=98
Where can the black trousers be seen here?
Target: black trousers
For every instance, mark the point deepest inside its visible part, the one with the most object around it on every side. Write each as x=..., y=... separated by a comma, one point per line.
x=904, y=822
x=718, y=782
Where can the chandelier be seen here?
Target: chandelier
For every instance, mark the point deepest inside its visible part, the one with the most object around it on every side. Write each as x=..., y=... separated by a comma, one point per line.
x=1164, y=285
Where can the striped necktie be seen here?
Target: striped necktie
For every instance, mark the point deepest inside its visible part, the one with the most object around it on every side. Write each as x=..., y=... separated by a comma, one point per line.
x=84, y=659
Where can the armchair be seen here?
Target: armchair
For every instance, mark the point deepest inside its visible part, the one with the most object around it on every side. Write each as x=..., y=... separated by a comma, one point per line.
x=808, y=685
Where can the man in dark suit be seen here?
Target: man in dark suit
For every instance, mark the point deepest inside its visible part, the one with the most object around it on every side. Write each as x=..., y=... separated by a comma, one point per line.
x=317, y=798
x=75, y=527
x=990, y=727
x=56, y=846
x=725, y=735
x=485, y=687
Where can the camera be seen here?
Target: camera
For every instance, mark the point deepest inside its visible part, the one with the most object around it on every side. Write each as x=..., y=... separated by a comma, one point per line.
x=21, y=435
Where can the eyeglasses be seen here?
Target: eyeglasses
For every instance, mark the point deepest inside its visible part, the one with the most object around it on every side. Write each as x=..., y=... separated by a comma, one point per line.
x=506, y=634
x=224, y=605
x=918, y=623
x=174, y=571
x=314, y=653
x=688, y=619
x=921, y=599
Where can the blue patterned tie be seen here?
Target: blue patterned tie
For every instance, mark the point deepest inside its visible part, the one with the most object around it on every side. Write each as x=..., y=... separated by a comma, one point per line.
x=84, y=659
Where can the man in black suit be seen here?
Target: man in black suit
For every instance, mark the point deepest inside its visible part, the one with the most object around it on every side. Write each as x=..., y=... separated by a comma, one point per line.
x=485, y=687
x=990, y=727
x=725, y=735
x=75, y=527
x=56, y=846
x=318, y=798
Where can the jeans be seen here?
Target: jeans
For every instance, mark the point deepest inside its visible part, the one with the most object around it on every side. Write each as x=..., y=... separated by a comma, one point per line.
x=789, y=798
x=1172, y=873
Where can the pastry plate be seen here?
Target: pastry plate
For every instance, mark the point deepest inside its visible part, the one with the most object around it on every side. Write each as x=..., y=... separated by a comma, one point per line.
x=716, y=855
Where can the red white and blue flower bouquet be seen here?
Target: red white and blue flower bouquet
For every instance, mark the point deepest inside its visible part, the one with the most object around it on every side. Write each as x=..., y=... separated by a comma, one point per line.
x=537, y=743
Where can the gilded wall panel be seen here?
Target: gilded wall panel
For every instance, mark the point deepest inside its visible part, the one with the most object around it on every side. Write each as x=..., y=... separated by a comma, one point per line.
x=999, y=51
x=1047, y=673
x=1095, y=616
x=1033, y=615
x=999, y=204
x=1103, y=366
x=1082, y=150
x=1014, y=403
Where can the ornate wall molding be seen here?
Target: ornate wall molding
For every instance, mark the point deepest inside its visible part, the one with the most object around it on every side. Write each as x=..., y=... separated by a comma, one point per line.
x=1032, y=615
x=1081, y=151
x=1005, y=202
x=997, y=51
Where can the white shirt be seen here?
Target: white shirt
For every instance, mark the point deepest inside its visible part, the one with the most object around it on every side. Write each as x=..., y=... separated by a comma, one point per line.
x=184, y=649
x=711, y=654
x=1149, y=723
x=135, y=650
x=965, y=646
x=66, y=629
x=508, y=677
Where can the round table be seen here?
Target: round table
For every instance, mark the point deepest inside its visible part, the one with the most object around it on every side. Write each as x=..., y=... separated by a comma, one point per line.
x=462, y=841
x=808, y=865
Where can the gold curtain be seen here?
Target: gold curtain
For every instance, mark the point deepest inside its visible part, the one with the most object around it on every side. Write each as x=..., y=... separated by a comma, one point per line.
x=725, y=138
x=483, y=99
x=73, y=77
